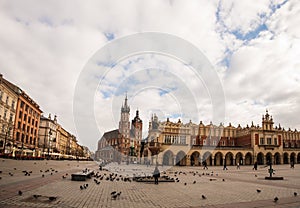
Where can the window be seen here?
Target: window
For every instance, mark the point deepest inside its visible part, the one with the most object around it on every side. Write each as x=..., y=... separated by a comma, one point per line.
x=182, y=140
x=261, y=141
x=204, y=141
x=275, y=141
x=11, y=117
x=214, y=142
x=18, y=136
x=7, y=100
x=13, y=104
x=1, y=94
x=194, y=141
x=223, y=143
x=167, y=139
x=22, y=104
x=20, y=115
x=3, y=128
x=269, y=141
x=4, y=116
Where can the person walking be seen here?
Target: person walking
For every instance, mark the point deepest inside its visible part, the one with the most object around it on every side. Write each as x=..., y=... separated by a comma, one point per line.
x=156, y=175
x=292, y=164
x=205, y=165
x=255, y=166
x=225, y=167
x=238, y=166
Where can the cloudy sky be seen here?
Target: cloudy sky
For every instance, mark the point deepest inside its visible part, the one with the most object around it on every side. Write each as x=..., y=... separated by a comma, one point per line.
x=52, y=50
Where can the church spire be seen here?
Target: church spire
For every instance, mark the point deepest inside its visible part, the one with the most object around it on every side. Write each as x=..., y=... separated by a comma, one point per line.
x=125, y=108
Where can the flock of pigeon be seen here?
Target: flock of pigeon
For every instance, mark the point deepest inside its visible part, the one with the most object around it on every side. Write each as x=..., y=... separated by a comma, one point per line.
x=98, y=177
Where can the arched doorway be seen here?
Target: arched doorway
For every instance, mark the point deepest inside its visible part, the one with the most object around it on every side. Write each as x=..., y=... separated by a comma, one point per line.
x=207, y=157
x=168, y=158
x=269, y=158
x=260, y=158
x=218, y=158
x=239, y=158
x=277, y=158
x=293, y=157
x=248, y=159
x=285, y=158
x=195, y=159
x=181, y=158
x=229, y=158
x=298, y=158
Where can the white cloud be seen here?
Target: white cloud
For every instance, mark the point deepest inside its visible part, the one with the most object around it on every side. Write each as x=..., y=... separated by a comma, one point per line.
x=45, y=46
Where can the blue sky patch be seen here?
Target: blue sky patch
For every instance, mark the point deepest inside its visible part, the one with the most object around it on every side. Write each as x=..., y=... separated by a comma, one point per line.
x=109, y=36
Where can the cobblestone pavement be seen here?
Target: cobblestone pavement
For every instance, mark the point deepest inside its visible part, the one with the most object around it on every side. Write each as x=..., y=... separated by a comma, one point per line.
x=229, y=188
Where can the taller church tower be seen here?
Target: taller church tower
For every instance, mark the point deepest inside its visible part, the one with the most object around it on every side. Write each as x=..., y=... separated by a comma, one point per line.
x=124, y=124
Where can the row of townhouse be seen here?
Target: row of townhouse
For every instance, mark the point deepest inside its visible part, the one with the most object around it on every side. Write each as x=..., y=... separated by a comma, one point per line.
x=25, y=132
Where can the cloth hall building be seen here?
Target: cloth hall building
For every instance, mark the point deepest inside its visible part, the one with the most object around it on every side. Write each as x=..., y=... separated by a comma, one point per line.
x=176, y=143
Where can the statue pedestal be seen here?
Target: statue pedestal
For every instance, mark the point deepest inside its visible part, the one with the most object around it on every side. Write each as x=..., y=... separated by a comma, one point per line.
x=274, y=178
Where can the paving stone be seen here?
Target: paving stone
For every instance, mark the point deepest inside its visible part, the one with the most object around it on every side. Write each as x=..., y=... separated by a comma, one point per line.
x=238, y=189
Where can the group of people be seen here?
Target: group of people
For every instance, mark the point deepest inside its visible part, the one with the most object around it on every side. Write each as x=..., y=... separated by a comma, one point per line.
x=156, y=173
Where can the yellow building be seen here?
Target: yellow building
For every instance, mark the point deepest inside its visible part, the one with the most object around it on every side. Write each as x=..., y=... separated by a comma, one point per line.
x=8, y=105
x=175, y=143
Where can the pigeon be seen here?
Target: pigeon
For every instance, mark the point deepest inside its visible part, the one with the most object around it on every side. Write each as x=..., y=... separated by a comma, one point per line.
x=258, y=191
x=295, y=194
x=36, y=196
x=63, y=177
x=276, y=199
x=185, y=184
x=112, y=193
x=43, y=175
x=119, y=194
x=81, y=187
x=194, y=182
x=114, y=196
x=20, y=192
x=223, y=179
x=52, y=198
x=203, y=197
